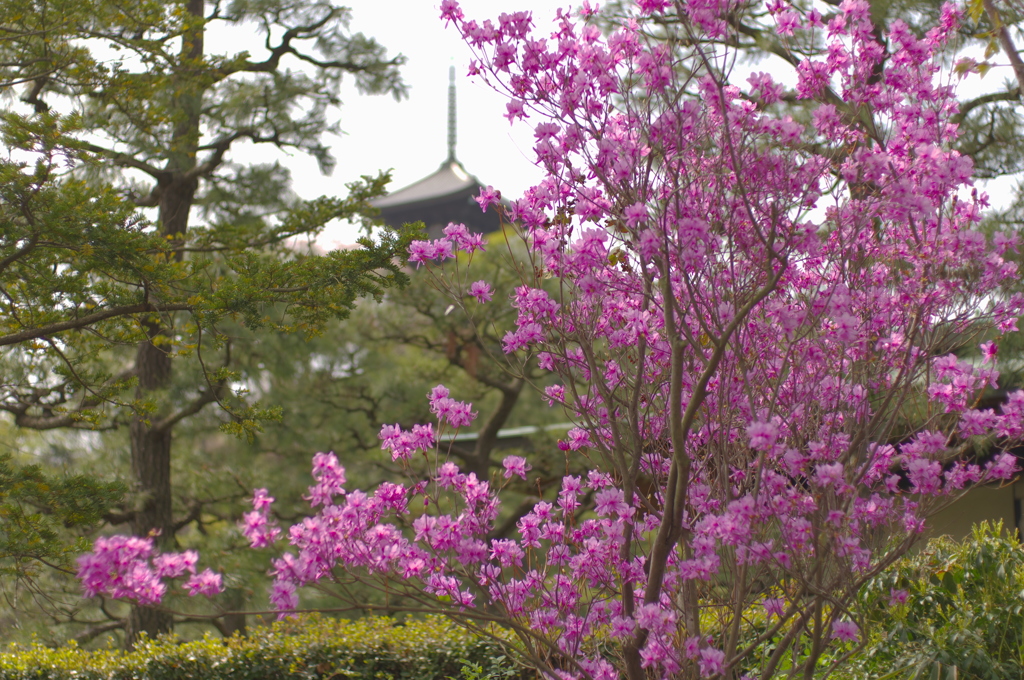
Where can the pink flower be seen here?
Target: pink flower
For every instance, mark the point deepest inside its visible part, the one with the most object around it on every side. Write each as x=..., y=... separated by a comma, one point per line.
x=258, y=529
x=460, y=235
x=762, y=435
x=206, y=583
x=481, y=290
x=283, y=595
x=579, y=438
x=712, y=662
x=487, y=197
x=261, y=500
x=172, y=565
x=829, y=475
x=636, y=214
x=450, y=11
x=847, y=631
x=611, y=502
x=515, y=465
x=555, y=394
x=422, y=251
x=515, y=110
x=460, y=414
x=988, y=351
x=1004, y=466
x=438, y=392
x=774, y=606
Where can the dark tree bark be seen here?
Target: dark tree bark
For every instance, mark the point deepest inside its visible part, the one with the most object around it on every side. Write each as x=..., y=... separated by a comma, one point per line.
x=151, y=441
x=151, y=478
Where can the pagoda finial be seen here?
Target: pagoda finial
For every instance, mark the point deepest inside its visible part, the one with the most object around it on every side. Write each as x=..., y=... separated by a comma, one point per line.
x=451, y=114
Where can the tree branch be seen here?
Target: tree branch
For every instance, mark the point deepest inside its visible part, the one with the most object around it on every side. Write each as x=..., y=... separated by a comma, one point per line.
x=20, y=252
x=1005, y=41
x=194, y=513
x=88, y=320
x=126, y=161
x=220, y=148
x=488, y=436
x=205, y=397
x=285, y=47
x=116, y=518
x=96, y=631
x=968, y=106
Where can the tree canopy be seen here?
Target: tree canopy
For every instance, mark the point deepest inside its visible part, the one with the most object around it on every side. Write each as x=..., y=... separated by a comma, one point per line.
x=129, y=223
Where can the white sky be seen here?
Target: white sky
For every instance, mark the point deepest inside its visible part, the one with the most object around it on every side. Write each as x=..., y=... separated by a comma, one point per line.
x=410, y=136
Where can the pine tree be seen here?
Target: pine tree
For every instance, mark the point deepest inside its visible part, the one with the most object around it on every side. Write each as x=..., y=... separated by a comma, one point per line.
x=123, y=107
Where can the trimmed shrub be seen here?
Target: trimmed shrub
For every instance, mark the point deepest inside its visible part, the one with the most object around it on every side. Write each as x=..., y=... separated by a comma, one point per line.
x=311, y=647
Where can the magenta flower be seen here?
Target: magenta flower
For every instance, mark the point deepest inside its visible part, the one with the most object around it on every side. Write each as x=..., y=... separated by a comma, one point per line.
x=172, y=565
x=611, y=502
x=897, y=597
x=762, y=435
x=460, y=236
x=847, y=631
x=450, y=11
x=481, y=290
x=205, y=583
x=636, y=214
x=515, y=465
x=423, y=251
x=447, y=410
x=283, y=595
x=712, y=662
x=988, y=352
x=488, y=197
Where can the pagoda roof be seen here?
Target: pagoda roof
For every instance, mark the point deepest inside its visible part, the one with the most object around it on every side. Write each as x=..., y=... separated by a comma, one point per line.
x=450, y=179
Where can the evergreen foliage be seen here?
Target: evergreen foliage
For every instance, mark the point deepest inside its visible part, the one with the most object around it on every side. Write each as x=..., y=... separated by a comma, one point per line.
x=112, y=110
x=36, y=507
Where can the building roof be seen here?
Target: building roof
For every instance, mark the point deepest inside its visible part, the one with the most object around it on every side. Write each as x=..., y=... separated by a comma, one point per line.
x=450, y=179
x=447, y=195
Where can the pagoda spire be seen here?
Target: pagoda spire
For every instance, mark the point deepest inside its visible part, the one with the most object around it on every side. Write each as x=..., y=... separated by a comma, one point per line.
x=451, y=115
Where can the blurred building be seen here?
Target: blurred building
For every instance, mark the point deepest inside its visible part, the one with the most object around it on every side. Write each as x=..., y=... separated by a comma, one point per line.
x=442, y=197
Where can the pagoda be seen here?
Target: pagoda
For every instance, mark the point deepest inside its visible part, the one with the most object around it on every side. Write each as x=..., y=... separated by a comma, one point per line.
x=442, y=197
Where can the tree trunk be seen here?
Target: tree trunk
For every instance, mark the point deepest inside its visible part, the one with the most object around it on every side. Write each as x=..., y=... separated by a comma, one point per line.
x=151, y=443
x=151, y=475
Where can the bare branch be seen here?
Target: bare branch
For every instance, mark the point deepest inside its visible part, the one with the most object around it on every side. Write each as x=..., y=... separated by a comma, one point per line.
x=127, y=161
x=96, y=631
x=1005, y=41
x=992, y=97
x=195, y=406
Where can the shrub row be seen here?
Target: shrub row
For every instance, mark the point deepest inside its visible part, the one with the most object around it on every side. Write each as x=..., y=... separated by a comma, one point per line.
x=307, y=648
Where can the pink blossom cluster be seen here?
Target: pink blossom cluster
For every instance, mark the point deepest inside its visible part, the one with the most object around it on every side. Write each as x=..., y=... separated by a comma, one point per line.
x=403, y=444
x=794, y=300
x=457, y=237
x=127, y=567
x=257, y=526
x=448, y=411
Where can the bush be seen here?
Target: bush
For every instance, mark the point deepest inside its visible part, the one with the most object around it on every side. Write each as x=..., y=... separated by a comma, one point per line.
x=963, y=614
x=309, y=647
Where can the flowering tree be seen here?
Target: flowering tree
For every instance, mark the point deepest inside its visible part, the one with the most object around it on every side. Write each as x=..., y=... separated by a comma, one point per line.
x=753, y=321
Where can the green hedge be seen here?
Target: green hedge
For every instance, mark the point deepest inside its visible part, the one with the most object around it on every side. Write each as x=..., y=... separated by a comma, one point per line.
x=307, y=648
